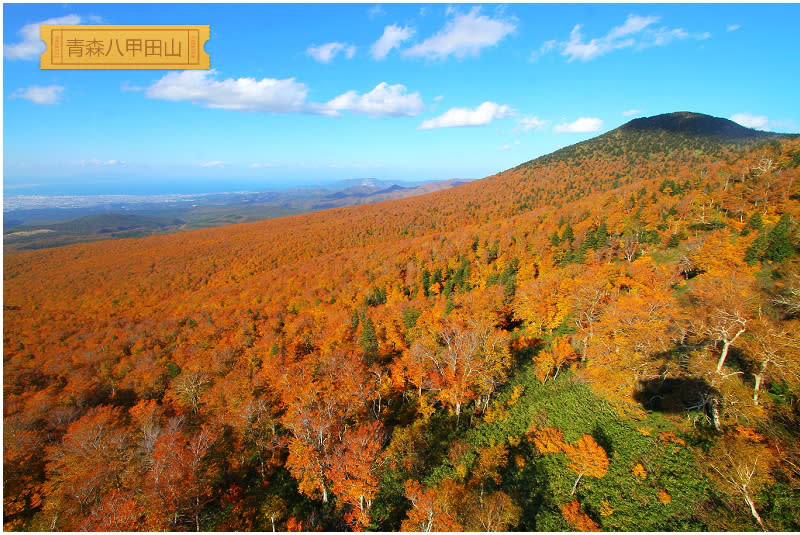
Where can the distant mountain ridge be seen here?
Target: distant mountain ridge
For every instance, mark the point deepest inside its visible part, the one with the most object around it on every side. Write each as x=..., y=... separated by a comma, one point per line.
x=368, y=182
x=371, y=190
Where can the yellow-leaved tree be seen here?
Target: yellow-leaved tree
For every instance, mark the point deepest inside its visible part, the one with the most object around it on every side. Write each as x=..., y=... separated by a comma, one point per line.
x=587, y=458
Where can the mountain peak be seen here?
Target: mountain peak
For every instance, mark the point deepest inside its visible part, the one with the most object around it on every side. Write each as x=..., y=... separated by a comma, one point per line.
x=664, y=133
x=692, y=124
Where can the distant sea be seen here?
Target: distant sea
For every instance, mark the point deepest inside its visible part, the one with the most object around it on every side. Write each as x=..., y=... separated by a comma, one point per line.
x=186, y=186
x=144, y=187
x=147, y=187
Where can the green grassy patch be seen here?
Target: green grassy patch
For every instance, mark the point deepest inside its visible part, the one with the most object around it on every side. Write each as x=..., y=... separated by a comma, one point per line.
x=662, y=499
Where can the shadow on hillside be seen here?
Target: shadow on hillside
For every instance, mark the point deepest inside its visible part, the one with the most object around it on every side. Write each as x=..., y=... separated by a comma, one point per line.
x=673, y=394
x=602, y=438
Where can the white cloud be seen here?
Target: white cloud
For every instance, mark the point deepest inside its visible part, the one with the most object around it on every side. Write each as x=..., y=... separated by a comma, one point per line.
x=636, y=31
x=456, y=117
x=581, y=126
x=506, y=146
x=526, y=124
x=785, y=125
x=45, y=95
x=215, y=163
x=462, y=36
x=31, y=46
x=384, y=100
x=325, y=53
x=733, y=27
x=664, y=37
x=257, y=165
x=516, y=142
x=631, y=112
x=758, y=122
x=392, y=37
x=375, y=11
x=96, y=161
x=126, y=86
x=618, y=37
x=546, y=47
x=280, y=96
x=762, y=122
x=240, y=94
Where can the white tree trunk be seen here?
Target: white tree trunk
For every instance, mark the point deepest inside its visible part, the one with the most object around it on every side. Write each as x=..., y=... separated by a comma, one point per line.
x=725, y=347
x=714, y=406
x=759, y=377
x=575, y=486
x=753, y=509
x=756, y=387
x=721, y=362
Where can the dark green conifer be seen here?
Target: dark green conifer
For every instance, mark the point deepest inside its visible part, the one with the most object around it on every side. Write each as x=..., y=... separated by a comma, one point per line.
x=426, y=282
x=410, y=317
x=780, y=245
x=756, y=250
x=568, y=235
x=674, y=240
x=602, y=235
x=755, y=221
x=590, y=242
x=368, y=338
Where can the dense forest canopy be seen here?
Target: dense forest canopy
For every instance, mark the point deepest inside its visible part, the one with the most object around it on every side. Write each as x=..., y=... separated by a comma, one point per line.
x=605, y=338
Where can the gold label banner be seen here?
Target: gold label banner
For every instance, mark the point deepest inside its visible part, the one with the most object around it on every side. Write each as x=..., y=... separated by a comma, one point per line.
x=124, y=47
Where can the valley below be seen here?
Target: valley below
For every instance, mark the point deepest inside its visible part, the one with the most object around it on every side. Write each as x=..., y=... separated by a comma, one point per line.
x=39, y=221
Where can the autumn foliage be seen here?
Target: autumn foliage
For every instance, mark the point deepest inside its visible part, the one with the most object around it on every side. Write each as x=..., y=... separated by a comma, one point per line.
x=580, y=521
x=309, y=372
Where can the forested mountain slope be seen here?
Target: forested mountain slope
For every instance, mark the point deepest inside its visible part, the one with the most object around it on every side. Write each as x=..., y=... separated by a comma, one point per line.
x=602, y=338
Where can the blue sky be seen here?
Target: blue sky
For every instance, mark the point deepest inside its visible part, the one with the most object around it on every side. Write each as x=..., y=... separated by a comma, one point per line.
x=313, y=93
